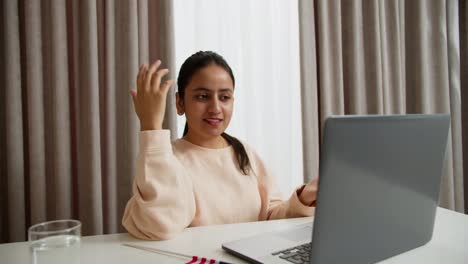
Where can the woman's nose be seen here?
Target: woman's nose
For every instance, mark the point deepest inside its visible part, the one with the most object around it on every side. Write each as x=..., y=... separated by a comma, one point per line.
x=215, y=106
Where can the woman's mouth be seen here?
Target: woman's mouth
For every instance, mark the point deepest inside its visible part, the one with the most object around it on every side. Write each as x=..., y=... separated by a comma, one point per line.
x=213, y=121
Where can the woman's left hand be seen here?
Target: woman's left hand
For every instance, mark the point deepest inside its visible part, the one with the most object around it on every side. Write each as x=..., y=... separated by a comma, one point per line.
x=308, y=195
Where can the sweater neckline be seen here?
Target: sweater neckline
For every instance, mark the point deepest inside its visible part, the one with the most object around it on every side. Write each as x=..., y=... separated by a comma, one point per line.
x=204, y=148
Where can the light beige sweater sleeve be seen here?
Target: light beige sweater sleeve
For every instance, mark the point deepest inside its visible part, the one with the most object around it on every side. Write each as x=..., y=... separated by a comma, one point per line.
x=162, y=204
x=179, y=184
x=273, y=204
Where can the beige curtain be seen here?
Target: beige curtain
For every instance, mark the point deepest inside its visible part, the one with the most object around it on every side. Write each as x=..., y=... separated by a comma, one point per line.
x=69, y=132
x=382, y=57
x=463, y=19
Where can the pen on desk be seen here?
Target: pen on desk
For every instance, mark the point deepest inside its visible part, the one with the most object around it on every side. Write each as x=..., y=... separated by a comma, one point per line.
x=193, y=259
x=160, y=251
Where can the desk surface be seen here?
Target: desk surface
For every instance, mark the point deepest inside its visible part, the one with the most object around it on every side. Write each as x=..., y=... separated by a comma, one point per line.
x=448, y=245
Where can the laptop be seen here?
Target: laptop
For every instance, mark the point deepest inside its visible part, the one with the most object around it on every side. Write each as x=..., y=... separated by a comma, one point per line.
x=378, y=193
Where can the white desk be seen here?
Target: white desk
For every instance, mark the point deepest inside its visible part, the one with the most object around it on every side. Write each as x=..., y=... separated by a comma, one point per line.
x=448, y=245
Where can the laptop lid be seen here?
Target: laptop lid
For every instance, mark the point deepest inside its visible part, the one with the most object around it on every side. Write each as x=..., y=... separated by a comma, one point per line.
x=379, y=186
x=378, y=191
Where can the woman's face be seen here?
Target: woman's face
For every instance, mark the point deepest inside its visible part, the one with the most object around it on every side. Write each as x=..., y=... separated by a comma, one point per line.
x=208, y=102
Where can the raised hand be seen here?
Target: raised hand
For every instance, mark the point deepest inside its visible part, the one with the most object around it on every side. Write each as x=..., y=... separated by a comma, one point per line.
x=150, y=97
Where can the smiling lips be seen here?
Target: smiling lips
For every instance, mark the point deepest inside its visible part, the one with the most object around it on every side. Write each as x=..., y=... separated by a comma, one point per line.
x=213, y=121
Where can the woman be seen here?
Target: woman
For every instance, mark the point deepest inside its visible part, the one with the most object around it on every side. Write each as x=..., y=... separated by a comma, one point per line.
x=207, y=177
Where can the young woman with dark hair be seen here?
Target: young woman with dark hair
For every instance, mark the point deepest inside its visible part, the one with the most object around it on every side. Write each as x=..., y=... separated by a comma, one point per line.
x=207, y=176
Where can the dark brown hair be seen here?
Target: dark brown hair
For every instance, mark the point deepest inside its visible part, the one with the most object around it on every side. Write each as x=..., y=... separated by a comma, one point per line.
x=191, y=65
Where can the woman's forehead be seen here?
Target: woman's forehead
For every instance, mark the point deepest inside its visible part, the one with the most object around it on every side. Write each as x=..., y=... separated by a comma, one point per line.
x=207, y=90
x=212, y=77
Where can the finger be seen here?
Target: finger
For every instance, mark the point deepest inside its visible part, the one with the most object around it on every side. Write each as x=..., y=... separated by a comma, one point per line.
x=156, y=80
x=149, y=74
x=133, y=94
x=158, y=63
x=166, y=85
x=141, y=73
x=315, y=181
x=143, y=77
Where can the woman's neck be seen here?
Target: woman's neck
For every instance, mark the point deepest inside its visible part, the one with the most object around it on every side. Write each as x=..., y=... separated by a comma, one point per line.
x=212, y=142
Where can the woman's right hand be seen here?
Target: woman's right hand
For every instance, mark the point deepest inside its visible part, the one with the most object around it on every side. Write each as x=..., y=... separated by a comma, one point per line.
x=150, y=97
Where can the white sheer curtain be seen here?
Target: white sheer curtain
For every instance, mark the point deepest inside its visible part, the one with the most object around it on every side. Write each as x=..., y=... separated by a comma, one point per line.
x=260, y=41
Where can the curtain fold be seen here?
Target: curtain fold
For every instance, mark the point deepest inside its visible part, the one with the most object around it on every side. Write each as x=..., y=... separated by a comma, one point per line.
x=463, y=34
x=108, y=116
x=35, y=101
x=384, y=57
x=126, y=59
x=88, y=125
x=309, y=90
x=14, y=205
x=454, y=76
x=68, y=125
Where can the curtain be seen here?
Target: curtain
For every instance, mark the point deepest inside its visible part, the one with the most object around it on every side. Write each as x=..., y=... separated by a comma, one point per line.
x=463, y=21
x=263, y=51
x=382, y=57
x=69, y=133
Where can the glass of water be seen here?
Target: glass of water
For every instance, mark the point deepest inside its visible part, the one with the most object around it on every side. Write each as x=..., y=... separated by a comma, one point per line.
x=55, y=242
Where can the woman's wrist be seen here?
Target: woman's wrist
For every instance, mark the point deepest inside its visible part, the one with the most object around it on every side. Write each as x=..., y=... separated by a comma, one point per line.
x=145, y=127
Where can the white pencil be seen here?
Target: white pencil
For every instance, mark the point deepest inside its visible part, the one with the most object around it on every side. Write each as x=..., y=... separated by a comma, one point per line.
x=160, y=251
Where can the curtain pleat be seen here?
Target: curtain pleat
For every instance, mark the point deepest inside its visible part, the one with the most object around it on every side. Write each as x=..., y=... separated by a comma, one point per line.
x=353, y=60
x=463, y=30
x=391, y=65
x=330, y=63
x=3, y=159
x=107, y=99
x=88, y=121
x=309, y=90
x=69, y=133
x=126, y=69
x=58, y=111
x=14, y=156
x=143, y=32
x=454, y=58
x=35, y=107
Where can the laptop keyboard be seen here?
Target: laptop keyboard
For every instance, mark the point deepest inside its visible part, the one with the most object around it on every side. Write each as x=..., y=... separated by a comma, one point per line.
x=297, y=255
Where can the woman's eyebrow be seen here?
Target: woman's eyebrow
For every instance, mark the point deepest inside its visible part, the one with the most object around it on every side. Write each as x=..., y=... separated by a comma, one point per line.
x=226, y=90
x=201, y=89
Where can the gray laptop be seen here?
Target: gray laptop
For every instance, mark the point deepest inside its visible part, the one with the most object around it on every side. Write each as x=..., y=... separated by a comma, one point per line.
x=378, y=193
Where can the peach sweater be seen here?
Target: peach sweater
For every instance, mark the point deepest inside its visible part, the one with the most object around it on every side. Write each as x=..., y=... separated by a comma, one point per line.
x=180, y=184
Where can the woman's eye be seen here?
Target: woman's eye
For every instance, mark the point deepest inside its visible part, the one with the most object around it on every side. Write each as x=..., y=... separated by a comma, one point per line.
x=225, y=98
x=202, y=96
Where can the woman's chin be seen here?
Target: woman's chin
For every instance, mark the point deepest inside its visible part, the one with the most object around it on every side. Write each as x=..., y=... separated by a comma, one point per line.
x=213, y=131
x=214, y=134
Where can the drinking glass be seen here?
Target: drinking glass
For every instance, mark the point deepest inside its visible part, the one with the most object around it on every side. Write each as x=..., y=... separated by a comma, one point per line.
x=55, y=242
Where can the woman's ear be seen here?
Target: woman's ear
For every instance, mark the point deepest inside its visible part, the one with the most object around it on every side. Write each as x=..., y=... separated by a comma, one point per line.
x=179, y=104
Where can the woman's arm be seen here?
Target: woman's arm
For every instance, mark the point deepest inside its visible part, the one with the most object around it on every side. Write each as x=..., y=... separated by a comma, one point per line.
x=163, y=203
x=299, y=204
x=290, y=208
